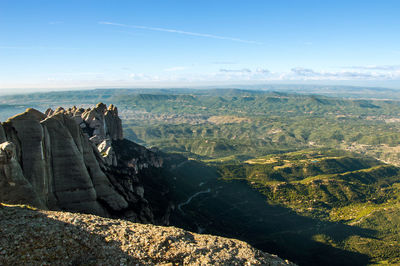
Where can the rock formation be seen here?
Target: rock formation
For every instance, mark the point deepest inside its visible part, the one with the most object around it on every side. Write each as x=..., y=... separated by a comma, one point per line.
x=15, y=188
x=36, y=237
x=77, y=160
x=65, y=160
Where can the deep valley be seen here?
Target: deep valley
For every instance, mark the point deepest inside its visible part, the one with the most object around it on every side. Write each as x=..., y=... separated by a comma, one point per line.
x=311, y=178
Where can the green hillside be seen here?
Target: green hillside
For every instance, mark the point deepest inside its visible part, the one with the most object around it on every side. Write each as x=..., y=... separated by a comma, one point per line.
x=332, y=186
x=311, y=178
x=347, y=215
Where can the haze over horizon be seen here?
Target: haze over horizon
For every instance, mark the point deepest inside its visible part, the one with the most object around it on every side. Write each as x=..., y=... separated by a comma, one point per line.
x=86, y=44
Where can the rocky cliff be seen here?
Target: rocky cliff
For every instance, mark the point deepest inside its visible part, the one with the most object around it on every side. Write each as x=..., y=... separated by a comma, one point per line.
x=77, y=160
x=66, y=159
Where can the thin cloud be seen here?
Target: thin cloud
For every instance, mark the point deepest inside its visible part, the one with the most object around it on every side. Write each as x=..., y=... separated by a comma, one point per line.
x=204, y=35
x=262, y=71
x=301, y=71
x=243, y=70
x=362, y=74
x=376, y=67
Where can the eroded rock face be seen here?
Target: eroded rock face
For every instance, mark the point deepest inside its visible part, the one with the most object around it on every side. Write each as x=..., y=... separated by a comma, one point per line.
x=27, y=133
x=67, y=160
x=101, y=124
x=15, y=188
x=2, y=134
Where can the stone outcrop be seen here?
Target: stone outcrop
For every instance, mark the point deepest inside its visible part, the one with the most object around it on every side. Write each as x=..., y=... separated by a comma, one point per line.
x=14, y=187
x=34, y=237
x=65, y=159
x=77, y=160
x=2, y=134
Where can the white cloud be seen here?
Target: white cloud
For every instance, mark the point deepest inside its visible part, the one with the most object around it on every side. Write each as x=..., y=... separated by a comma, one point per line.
x=243, y=70
x=140, y=76
x=376, y=67
x=306, y=72
x=354, y=73
x=259, y=74
x=219, y=76
x=205, y=35
x=262, y=71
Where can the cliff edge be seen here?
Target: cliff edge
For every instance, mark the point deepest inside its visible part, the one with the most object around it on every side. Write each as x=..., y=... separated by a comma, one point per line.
x=30, y=237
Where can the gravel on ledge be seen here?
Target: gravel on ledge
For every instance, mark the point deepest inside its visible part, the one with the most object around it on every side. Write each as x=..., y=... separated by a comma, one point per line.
x=38, y=237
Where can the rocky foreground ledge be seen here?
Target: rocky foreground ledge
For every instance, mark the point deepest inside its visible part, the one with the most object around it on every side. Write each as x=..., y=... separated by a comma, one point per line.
x=37, y=237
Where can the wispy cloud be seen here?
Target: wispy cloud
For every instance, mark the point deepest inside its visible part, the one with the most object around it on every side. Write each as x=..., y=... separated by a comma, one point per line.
x=143, y=77
x=243, y=70
x=204, y=35
x=375, y=67
x=246, y=70
x=301, y=71
x=354, y=73
x=262, y=71
x=248, y=74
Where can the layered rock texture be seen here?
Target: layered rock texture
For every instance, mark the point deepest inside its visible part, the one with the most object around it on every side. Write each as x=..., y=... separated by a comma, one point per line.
x=66, y=159
x=33, y=237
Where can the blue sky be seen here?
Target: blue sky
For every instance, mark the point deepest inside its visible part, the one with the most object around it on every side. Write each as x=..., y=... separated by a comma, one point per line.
x=77, y=44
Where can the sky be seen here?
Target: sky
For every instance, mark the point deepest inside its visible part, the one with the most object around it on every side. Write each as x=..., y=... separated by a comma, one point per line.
x=146, y=43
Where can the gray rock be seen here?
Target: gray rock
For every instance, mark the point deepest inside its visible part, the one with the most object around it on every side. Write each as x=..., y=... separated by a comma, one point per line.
x=2, y=134
x=30, y=134
x=72, y=182
x=14, y=187
x=66, y=159
x=113, y=123
x=105, y=191
x=81, y=239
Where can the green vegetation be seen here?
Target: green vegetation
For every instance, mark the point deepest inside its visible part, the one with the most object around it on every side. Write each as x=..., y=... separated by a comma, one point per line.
x=332, y=186
x=315, y=155
x=247, y=123
x=314, y=179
